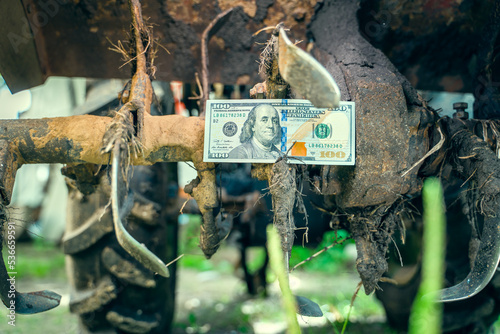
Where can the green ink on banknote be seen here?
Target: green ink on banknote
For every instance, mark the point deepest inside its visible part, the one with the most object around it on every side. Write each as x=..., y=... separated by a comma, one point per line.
x=322, y=131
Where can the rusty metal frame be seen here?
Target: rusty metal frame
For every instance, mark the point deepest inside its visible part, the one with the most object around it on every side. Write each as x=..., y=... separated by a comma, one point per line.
x=78, y=139
x=97, y=140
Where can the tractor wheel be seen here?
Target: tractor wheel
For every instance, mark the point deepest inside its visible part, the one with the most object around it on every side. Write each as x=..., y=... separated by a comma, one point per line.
x=112, y=292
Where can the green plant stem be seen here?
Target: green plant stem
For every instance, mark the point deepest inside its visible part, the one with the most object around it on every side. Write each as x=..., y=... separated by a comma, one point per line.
x=346, y=320
x=360, y=284
x=426, y=314
x=278, y=267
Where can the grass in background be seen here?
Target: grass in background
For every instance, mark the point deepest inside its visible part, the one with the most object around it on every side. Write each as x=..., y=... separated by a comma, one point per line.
x=39, y=263
x=332, y=261
x=189, y=233
x=333, y=275
x=38, y=259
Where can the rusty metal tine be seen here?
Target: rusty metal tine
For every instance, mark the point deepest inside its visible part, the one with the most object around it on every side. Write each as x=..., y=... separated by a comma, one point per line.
x=140, y=252
x=306, y=75
x=24, y=303
x=485, y=265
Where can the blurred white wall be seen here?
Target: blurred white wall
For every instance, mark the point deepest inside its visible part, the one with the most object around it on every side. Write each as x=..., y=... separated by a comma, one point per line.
x=41, y=186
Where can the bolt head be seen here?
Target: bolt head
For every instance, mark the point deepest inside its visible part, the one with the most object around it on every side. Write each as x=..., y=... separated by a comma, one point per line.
x=460, y=105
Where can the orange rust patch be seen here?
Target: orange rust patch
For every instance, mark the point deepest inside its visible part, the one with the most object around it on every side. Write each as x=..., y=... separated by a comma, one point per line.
x=86, y=131
x=249, y=6
x=185, y=133
x=290, y=11
x=218, y=41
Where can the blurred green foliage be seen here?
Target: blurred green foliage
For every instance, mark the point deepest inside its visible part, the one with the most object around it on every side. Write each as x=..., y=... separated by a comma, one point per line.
x=38, y=259
x=332, y=260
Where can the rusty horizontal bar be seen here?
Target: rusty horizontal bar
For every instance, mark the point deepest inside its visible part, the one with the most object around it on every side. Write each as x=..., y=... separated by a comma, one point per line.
x=78, y=139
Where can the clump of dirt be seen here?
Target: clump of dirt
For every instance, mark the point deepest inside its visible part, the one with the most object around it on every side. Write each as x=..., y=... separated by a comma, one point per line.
x=372, y=230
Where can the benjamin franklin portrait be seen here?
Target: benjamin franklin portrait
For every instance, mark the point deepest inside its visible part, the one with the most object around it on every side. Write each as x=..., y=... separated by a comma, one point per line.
x=260, y=134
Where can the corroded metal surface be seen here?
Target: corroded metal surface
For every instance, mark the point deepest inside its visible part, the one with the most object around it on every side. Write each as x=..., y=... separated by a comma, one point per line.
x=19, y=302
x=391, y=119
x=391, y=123
x=440, y=45
x=305, y=75
x=73, y=37
x=78, y=139
x=8, y=169
x=437, y=45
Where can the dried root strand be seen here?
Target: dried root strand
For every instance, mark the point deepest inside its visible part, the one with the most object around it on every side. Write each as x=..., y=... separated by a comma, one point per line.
x=207, y=33
x=282, y=187
x=270, y=51
x=121, y=132
x=321, y=251
x=481, y=169
x=267, y=55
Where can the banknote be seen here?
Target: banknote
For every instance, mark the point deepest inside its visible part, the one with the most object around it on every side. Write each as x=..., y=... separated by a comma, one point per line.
x=261, y=131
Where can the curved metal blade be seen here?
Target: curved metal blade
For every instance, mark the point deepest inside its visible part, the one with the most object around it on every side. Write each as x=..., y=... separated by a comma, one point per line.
x=306, y=75
x=485, y=265
x=24, y=303
x=36, y=302
x=140, y=252
x=307, y=307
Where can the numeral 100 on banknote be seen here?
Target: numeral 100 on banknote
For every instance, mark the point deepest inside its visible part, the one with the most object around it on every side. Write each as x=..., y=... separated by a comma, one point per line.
x=261, y=131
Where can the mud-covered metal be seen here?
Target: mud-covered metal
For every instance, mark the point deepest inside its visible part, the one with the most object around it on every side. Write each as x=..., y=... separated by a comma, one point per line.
x=15, y=301
x=121, y=204
x=27, y=302
x=85, y=28
x=478, y=163
x=22, y=303
x=485, y=266
x=393, y=120
x=306, y=75
x=435, y=44
x=132, y=136
x=392, y=135
x=78, y=139
x=281, y=176
x=283, y=189
x=123, y=139
x=8, y=169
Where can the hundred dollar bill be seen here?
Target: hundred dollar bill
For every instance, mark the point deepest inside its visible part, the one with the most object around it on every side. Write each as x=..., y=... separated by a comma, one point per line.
x=261, y=131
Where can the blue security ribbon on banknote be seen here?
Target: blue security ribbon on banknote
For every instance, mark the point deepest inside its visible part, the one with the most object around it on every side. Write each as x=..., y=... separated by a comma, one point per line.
x=261, y=131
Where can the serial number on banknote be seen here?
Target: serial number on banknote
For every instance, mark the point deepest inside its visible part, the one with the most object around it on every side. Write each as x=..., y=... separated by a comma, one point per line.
x=261, y=131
